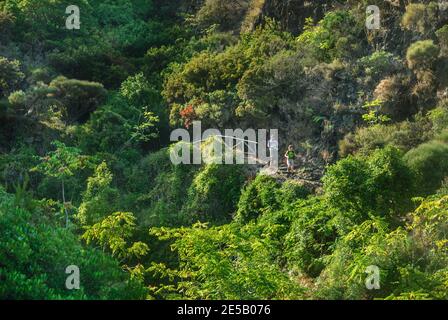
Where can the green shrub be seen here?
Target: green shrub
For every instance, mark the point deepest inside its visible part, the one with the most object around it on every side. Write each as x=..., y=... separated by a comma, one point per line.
x=311, y=236
x=337, y=36
x=10, y=76
x=99, y=199
x=442, y=136
x=6, y=23
x=112, y=128
x=411, y=263
x=78, y=98
x=422, y=55
x=403, y=135
x=159, y=190
x=290, y=192
x=17, y=99
x=379, y=184
x=208, y=82
x=225, y=262
x=442, y=36
x=379, y=64
x=35, y=254
x=214, y=193
x=394, y=96
x=391, y=181
x=91, y=61
x=430, y=163
x=43, y=74
x=420, y=17
x=228, y=15
x=258, y=196
x=439, y=117
x=14, y=166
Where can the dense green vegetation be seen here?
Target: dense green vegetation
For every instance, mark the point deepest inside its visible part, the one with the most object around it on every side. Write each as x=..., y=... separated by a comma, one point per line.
x=85, y=171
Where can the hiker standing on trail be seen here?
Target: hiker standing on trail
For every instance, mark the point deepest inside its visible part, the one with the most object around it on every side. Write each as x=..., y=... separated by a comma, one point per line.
x=290, y=156
x=273, y=151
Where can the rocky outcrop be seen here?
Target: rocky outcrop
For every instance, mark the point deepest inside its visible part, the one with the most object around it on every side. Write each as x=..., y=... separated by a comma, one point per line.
x=291, y=14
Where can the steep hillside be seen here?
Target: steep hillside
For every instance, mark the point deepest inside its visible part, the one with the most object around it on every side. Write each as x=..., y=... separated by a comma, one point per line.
x=87, y=176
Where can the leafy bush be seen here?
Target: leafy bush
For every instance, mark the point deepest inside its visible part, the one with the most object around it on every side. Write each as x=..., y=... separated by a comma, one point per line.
x=94, y=61
x=439, y=117
x=78, y=98
x=159, y=190
x=442, y=36
x=6, y=24
x=112, y=128
x=226, y=262
x=208, y=82
x=403, y=135
x=139, y=92
x=337, y=36
x=259, y=91
x=35, y=254
x=214, y=193
x=379, y=65
x=422, y=55
x=258, y=197
x=311, y=236
x=290, y=192
x=393, y=93
x=411, y=263
x=100, y=199
x=17, y=99
x=430, y=163
x=420, y=17
x=226, y=14
x=114, y=233
x=380, y=184
x=10, y=76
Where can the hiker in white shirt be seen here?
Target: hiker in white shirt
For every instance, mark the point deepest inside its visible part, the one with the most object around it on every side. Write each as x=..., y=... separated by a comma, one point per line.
x=273, y=151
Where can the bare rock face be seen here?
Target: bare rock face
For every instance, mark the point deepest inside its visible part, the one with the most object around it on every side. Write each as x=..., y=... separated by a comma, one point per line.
x=190, y=6
x=245, y=15
x=291, y=14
